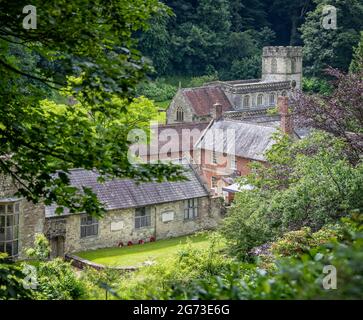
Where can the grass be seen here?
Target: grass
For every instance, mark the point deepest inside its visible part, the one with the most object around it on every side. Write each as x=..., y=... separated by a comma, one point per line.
x=139, y=253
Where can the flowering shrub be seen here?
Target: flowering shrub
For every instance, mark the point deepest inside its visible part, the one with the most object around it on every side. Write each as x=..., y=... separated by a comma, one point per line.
x=141, y=241
x=129, y=243
x=152, y=239
x=120, y=244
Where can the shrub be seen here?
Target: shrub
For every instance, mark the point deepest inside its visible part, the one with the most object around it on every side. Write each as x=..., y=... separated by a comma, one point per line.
x=158, y=91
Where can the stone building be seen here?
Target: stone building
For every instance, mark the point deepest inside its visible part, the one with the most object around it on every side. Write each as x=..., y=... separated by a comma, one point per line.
x=20, y=220
x=281, y=76
x=134, y=212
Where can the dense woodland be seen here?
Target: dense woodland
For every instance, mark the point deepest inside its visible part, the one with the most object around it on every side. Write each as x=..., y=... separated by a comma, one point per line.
x=305, y=210
x=225, y=37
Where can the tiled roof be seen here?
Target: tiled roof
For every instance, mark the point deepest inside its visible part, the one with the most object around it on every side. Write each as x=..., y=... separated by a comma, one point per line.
x=251, y=140
x=125, y=193
x=175, y=136
x=203, y=98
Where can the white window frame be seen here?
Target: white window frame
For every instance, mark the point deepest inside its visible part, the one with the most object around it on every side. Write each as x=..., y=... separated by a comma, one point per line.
x=142, y=218
x=9, y=227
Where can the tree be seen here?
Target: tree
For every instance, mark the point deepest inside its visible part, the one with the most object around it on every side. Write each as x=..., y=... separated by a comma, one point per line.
x=331, y=47
x=307, y=183
x=340, y=113
x=356, y=65
x=86, y=51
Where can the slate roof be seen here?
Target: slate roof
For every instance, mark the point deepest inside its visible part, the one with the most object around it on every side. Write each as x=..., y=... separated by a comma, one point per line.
x=176, y=133
x=251, y=140
x=203, y=98
x=125, y=193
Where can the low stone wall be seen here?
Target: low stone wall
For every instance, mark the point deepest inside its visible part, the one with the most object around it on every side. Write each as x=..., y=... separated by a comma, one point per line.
x=80, y=263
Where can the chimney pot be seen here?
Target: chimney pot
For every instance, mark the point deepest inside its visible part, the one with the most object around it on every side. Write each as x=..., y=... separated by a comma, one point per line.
x=217, y=111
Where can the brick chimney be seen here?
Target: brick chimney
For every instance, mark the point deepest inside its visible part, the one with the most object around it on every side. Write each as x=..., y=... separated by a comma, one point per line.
x=286, y=120
x=216, y=111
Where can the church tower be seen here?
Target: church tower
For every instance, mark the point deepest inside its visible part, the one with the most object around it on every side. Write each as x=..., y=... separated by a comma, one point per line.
x=283, y=64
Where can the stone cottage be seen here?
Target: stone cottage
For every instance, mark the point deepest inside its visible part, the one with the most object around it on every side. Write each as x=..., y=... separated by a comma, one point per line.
x=281, y=76
x=134, y=212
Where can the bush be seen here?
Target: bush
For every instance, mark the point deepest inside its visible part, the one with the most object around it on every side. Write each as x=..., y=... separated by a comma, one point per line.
x=58, y=281
x=298, y=277
x=158, y=91
x=316, y=85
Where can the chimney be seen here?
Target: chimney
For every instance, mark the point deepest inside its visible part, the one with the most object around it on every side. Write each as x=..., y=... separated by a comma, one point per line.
x=216, y=111
x=286, y=120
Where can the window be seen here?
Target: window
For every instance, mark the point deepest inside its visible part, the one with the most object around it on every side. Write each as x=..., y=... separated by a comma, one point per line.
x=89, y=226
x=190, y=209
x=260, y=100
x=272, y=99
x=284, y=93
x=142, y=217
x=179, y=114
x=274, y=65
x=233, y=163
x=9, y=228
x=293, y=65
x=214, y=182
x=214, y=157
x=246, y=101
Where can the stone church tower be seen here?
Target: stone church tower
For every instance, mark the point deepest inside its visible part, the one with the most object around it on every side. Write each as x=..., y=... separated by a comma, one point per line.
x=282, y=64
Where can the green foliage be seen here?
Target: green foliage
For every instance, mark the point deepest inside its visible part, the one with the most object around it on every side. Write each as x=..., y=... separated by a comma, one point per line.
x=308, y=183
x=199, y=81
x=294, y=277
x=40, y=249
x=11, y=281
x=316, y=85
x=357, y=61
x=56, y=280
x=87, y=54
x=329, y=47
x=296, y=243
x=158, y=91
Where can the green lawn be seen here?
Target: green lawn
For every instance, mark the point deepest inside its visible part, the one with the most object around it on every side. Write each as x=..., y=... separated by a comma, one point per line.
x=138, y=253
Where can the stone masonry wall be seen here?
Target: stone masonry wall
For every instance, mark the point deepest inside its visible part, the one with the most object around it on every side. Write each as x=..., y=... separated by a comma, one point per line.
x=118, y=225
x=31, y=219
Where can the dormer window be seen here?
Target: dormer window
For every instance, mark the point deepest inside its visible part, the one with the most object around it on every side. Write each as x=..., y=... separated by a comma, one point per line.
x=9, y=226
x=179, y=114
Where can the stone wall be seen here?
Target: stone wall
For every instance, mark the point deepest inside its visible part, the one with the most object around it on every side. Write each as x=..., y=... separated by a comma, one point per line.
x=179, y=101
x=31, y=219
x=118, y=225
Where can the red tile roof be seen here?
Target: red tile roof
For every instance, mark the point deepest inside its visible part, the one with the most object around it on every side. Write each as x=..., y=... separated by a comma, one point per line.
x=203, y=98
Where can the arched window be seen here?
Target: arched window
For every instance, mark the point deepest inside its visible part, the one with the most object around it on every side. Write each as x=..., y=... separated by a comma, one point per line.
x=273, y=65
x=246, y=101
x=284, y=93
x=179, y=114
x=260, y=100
x=272, y=99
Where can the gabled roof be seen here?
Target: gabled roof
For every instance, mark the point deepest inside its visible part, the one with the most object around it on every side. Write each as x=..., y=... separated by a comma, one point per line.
x=125, y=193
x=203, y=98
x=251, y=140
